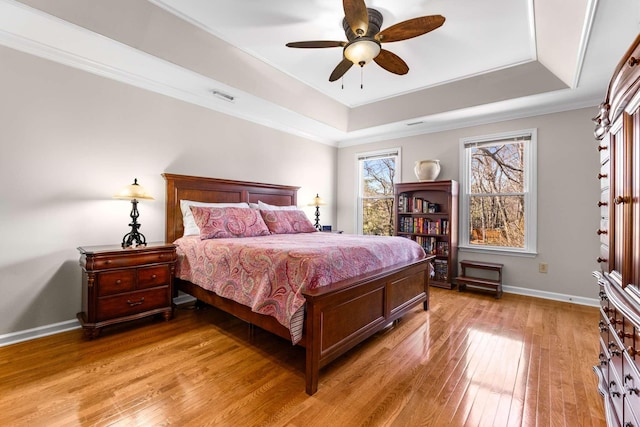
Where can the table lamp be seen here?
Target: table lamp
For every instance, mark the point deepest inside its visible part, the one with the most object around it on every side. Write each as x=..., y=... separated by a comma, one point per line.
x=133, y=192
x=317, y=202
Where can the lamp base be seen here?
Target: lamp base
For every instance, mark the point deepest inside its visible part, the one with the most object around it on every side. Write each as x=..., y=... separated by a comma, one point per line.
x=134, y=236
x=317, y=224
x=133, y=239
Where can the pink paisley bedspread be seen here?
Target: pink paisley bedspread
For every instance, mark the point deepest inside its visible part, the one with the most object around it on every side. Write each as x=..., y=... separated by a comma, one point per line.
x=269, y=273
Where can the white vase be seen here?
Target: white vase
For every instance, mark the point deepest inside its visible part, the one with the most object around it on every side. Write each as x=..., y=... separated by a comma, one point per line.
x=427, y=170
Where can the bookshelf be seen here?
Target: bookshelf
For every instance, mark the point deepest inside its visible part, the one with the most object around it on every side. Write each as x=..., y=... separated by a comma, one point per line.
x=427, y=212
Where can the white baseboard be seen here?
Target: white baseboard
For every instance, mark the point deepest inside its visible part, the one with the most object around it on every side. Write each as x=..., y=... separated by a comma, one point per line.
x=55, y=328
x=68, y=325
x=39, y=332
x=593, y=302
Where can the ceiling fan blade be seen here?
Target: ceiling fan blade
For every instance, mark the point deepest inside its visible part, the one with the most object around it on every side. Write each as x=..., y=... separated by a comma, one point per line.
x=315, y=44
x=391, y=62
x=339, y=71
x=355, y=12
x=411, y=28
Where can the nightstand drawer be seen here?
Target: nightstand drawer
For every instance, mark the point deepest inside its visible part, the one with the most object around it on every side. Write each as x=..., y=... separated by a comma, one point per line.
x=129, y=260
x=150, y=277
x=116, y=282
x=132, y=303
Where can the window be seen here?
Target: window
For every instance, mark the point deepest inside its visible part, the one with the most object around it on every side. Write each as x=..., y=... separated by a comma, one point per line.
x=498, y=192
x=377, y=173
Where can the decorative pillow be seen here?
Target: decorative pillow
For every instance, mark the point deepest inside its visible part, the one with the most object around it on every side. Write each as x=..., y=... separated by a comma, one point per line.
x=287, y=221
x=189, y=224
x=217, y=223
x=265, y=207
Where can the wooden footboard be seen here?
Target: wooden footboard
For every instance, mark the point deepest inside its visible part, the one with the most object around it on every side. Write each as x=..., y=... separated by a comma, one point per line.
x=341, y=316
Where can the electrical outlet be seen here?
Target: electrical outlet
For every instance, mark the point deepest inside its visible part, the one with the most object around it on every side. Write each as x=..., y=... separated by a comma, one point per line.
x=543, y=267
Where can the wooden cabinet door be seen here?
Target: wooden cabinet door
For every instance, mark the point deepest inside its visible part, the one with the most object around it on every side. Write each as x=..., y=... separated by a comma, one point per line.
x=634, y=198
x=616, y=183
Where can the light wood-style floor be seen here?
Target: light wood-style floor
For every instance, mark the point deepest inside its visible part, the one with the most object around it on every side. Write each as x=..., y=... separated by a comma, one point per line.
x=471, y=360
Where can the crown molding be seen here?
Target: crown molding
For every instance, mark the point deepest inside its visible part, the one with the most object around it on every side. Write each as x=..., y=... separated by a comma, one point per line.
x=37, y=33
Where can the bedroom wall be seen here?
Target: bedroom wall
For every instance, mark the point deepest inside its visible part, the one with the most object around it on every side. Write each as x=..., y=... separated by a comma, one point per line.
x=70, y=140
x=149, y=28
x=567, y=193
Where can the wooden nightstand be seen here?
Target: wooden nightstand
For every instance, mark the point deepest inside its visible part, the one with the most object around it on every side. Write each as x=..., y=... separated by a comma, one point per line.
x=119, y=285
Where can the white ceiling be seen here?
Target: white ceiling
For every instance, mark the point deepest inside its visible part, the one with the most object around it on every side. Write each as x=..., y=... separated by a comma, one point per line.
x=475, y=39
x=491, y=60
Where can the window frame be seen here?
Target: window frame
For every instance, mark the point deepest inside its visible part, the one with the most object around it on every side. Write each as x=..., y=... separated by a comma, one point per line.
x=530, y=192
x=387, y=152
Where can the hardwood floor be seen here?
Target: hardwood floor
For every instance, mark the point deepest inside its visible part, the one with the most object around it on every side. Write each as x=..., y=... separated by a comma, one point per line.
x=471, y=360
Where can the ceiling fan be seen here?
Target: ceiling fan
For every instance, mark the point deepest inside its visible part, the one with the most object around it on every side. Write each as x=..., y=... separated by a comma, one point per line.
x=362, y=28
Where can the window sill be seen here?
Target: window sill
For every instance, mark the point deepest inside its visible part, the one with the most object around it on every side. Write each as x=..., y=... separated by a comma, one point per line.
x=498, y=251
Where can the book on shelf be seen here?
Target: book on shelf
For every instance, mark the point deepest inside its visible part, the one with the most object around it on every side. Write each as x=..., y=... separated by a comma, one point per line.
x=410, y=204
x=444, y=226
x=423, y=226
x=432, y=246
x=441, y=270
x=442, y=248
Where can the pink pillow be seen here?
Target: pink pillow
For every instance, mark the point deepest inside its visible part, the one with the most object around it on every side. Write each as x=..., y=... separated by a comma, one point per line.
x=287, y=221
x=217, y=223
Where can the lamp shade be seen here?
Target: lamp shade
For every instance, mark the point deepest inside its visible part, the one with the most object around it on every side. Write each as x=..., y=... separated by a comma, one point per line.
x=361, y=52
x=133, y=191
x=317, y=201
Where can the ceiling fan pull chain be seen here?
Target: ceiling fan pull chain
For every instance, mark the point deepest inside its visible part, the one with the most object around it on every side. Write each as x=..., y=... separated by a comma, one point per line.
x=342, y=82
x=361, y=77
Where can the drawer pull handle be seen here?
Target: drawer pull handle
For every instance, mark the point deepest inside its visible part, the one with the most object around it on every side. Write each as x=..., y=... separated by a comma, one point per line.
x=603, y=359
x=118, y=281
x=602, y=232
x=612, y=389
x=153, y=276
x=602, y=175
x=620, y=200
x=601, y=204
x=600, y=259
x=133, y=304
x=602, y=326
x=630, y=389
x=614, y=350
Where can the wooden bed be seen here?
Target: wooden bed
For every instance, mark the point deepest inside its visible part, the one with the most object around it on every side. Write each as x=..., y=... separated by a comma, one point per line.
x=338, y=316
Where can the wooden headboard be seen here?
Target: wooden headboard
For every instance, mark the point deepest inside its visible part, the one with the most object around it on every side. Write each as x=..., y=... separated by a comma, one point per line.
x=214, y=190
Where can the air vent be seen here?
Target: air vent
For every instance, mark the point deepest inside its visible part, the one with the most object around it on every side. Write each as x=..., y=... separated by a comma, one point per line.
x=222, y=95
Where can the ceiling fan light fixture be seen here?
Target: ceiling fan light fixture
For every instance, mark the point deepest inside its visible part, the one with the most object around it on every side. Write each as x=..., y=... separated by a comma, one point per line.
x=362, y=51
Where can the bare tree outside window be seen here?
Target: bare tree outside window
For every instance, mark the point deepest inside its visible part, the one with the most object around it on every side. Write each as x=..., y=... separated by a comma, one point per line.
x=498, y=192
x=377, y=175
x=496, y=206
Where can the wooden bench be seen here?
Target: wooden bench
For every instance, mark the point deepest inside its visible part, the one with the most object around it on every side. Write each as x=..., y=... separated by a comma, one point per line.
x=465, y=279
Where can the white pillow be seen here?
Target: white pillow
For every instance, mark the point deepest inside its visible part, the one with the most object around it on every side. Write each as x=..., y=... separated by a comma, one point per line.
x=265, y=207
x=189, y=223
